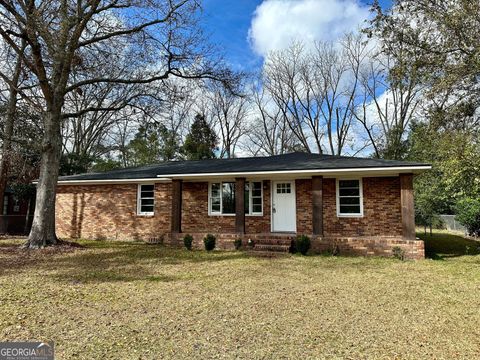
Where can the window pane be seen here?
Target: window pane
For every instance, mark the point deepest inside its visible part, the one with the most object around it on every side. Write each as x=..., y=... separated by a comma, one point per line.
x=257, y=205
x=257, y=189
x=147, y=187
x=284, y=188
x=216, y=206
x=147, y=202
x=349, y=183
x=147, y=194
x=216, y=190
x=228, y=198
x=350, y=201
x=146, y=198
x=256, y=208
x=349, y=192
x=147, y=208
x=350, y=209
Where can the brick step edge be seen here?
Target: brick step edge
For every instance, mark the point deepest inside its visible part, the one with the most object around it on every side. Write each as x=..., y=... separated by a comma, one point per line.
x=283, y=242
x=267, y=247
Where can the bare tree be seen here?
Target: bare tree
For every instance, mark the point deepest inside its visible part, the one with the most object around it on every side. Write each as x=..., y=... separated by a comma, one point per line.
x=317, y=90
x=387, y=106
x=229, y=112
x=159, y=37
x=269, y=133
x=12, y=83
x=282, y=78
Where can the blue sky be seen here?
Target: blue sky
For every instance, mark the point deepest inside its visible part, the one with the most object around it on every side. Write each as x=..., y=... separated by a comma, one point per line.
x=228, y=23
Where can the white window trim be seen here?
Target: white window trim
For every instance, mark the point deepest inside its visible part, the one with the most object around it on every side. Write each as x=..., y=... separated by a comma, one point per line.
x=250, y=204
x=139, y=207
x=360, y=182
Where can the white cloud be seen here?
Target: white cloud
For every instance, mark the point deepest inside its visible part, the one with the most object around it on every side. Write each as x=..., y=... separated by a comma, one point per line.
x=276, y=23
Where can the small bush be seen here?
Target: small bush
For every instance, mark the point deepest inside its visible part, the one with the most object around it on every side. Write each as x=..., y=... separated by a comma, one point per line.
x=302, y=244
x=238, y=244
x=293, y=247
x=209, y=242
x=188, y=241
x=468, y=214
x=251, y=243
x=398, y=253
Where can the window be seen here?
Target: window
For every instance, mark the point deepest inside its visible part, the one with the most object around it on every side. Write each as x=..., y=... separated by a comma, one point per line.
x=349, y=197
x=5, y=205
x=146, y=199
x=16, y=205
x=284, y=188
x=222, y=198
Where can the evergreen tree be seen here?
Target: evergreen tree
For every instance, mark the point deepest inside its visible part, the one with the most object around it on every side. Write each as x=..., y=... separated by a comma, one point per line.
x=201, y=142
x=152, y=143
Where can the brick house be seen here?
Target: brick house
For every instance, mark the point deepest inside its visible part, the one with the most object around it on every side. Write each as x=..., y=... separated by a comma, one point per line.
x=345, y=204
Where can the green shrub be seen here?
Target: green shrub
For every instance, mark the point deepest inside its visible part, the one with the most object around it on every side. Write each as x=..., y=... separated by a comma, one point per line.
x=238, y=244
x=302, y=244
x=209, y=242
x=398, y=253
x=187, y=241
x=468, y=214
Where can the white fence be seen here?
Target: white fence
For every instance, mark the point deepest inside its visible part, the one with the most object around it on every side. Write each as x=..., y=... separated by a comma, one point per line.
x=452, y=224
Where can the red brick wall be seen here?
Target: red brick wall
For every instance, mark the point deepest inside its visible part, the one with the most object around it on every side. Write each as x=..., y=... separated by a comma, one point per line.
x=195, y=218
x=304, y=206
x=381, y=210
x=110, y=212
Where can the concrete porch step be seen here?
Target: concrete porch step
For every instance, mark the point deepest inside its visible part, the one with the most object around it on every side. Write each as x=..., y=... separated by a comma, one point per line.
x=274, y=236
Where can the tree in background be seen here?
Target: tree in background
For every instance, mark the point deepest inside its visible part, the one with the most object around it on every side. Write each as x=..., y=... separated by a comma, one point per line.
x=160, y=39
x=442, y=54
x=455, y=173
x=229, y=113
x=440, y=42
x=468, y=214
x=153, y=143
x=201, y=142
x=12, y=79
x=269, y=134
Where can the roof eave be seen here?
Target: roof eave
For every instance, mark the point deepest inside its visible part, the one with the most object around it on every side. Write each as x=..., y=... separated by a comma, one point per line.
x=346, y=172
x=378, y=171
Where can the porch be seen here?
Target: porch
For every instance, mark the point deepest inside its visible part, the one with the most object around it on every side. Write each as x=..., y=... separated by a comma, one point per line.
x=314, y=214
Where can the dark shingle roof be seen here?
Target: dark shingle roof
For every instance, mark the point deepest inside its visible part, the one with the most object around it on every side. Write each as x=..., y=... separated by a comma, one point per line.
x=289, y=162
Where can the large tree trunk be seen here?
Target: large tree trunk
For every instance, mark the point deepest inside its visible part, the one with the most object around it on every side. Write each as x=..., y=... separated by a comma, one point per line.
x=8, y=129
x=43, y=227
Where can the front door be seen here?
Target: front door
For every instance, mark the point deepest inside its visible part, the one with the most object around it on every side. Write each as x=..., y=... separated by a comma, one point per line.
x=283, y=206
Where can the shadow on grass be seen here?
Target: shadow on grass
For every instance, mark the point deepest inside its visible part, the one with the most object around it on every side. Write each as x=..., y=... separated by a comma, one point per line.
x=101, y=261
x=439, y=245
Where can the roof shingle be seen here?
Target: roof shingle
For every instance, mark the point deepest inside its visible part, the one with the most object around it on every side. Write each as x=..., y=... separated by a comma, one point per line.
x=286, y=162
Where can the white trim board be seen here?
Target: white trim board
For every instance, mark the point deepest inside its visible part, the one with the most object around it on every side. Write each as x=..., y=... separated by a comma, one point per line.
x=111, y=181
x=331, y=172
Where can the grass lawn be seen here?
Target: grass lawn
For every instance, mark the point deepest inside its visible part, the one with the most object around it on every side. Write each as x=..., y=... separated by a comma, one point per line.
x=137, y=301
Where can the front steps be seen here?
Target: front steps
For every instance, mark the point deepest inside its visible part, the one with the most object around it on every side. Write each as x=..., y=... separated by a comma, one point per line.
x=270, y=245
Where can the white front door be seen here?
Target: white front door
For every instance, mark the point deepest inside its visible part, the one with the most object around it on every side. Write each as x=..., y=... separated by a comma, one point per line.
x=284, y=215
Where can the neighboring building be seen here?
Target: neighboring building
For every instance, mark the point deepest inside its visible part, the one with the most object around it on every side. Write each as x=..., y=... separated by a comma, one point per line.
x=345, y=204
x=15, y=213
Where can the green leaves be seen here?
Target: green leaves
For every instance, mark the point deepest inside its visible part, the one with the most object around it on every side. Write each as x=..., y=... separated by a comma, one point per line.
x=468, y=214
x=201, y=142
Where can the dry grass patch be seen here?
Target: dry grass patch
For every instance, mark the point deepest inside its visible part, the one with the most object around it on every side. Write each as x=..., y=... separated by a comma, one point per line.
x=138, y=301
